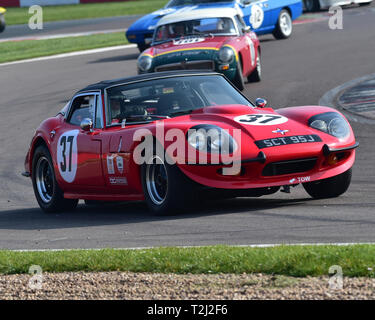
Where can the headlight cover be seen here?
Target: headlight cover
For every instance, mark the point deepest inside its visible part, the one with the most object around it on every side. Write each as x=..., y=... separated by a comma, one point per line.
x=332, y=123
x=211, y=139
x=144, y=63
x=226, y=55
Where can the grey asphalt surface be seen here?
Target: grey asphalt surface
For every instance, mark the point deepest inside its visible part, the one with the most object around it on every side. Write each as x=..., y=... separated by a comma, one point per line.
x=298, y=71
x=71, y=26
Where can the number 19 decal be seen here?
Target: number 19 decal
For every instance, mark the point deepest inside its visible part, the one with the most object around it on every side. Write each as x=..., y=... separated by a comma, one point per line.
x=67, y=156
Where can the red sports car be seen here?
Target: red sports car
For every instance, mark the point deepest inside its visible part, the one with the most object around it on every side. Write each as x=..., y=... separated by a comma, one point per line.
x=205, y=39
x=167, y=137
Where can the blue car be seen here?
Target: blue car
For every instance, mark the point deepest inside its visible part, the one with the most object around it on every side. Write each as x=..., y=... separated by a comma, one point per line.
x=263, y=16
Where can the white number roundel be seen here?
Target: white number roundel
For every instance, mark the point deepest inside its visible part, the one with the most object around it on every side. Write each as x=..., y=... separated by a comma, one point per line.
x=257, y=16
x=67, y=155
x=261, y=119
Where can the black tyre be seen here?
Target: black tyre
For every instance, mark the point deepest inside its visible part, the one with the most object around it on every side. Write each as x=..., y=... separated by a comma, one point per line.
x=238, y=80
x=256, y=75
x=142, y=47
x=312, y=5
x=284, y=26
x=2, y=23
x=167, y=190
x=329, y=188
x=47, y=191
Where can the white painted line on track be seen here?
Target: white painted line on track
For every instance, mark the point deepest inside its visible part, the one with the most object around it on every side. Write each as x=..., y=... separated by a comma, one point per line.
x=70, y=54
x=61, y=35
x=339, y=244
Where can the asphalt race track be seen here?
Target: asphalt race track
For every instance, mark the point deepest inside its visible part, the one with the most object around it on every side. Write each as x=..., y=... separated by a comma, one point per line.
x=298, y=71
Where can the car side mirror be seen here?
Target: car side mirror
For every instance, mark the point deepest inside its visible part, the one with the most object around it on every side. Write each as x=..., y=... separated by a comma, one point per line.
x=261, y=103
x=246, y=29
x=86, y=124
x=246, y=2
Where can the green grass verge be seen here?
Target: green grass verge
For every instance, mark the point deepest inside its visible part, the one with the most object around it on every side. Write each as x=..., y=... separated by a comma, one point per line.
x=296, y=261
x=85, y=11
x=18, y=50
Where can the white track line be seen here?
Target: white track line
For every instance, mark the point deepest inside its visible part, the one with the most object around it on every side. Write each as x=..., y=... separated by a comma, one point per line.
x=340, y=244
x=61, y=35
x=70, y=54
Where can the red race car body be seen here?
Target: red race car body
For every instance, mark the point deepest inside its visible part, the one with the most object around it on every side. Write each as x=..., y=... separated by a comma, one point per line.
x=157, y=137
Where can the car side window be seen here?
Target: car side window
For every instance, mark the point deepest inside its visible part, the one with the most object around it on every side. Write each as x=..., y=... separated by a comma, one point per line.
x=82, y=107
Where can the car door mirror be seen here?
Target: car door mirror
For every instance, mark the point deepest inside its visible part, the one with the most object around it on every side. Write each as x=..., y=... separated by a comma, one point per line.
x=86, y=124
x=246, y=29
x=246, y=2
x=261, y=103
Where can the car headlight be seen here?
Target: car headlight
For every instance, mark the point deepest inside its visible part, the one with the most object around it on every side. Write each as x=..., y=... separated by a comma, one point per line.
x=332, y=123
x=144, y=63
x=226, y=55
x=212, y=139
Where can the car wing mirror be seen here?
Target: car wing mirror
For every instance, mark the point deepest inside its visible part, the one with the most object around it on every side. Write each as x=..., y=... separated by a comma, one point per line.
x=87, y=125
x=260, y=103
x=246, y=29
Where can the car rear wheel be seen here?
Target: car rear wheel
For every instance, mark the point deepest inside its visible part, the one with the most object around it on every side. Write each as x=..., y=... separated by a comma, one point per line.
x=312, y=5
x=47, y=191
x=256, y=75
x=329, y=188
x=167, y=190
x=238, y=80
x=284, y=26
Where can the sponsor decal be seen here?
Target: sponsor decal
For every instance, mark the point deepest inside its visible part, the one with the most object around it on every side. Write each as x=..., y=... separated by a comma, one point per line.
x=261, y=119
x=187, y=41
x=120, y=164
x=282, y=141
x=67, y=155
x=300, y=180
x=118, y=181
x=110, y=165
x=278, y=130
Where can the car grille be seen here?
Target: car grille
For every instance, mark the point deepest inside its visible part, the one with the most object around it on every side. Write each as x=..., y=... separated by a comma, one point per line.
x=188, y=65
x=289, y=167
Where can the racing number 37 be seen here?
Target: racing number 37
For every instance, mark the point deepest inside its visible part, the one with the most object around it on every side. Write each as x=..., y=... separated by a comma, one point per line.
x=63, y=142
x=261, y=119
x=67, y=155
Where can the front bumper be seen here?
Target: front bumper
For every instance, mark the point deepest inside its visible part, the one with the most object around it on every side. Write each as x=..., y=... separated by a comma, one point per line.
x=268, y=169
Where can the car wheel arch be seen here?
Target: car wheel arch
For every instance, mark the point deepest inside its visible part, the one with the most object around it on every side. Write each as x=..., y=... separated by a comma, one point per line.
x=39, y=141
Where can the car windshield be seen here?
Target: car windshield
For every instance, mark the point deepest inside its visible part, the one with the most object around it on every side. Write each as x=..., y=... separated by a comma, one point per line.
x=200, y=27
x=176, y=3
x=169, y=97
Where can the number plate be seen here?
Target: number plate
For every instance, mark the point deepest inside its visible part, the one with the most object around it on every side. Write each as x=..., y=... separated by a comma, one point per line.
x=282, y=141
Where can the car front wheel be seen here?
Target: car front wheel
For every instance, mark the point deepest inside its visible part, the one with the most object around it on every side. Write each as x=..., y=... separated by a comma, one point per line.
x=329, y=188
x=256, y=75
x=238, y=80
x=2, y=23
x=284, y=26
x=47, y=191
x=167, y=190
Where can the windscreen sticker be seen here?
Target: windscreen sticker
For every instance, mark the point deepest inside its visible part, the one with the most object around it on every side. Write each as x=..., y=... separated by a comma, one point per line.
x=257, y=16
x=261, y=119
x=187, y=41
x=67, y=155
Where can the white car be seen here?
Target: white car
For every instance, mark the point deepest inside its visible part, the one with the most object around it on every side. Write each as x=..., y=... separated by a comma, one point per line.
x=315, y=5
